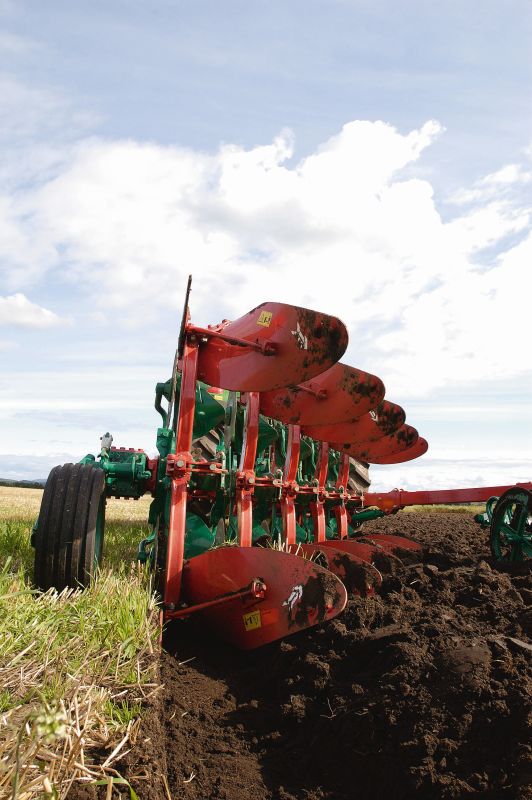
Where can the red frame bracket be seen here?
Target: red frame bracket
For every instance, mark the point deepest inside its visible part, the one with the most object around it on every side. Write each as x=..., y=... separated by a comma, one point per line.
x=245, y=476
x=267, y=348
x=179, y=469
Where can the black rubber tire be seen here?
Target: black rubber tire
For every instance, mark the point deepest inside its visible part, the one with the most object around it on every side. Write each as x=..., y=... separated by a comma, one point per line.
x=68, y=542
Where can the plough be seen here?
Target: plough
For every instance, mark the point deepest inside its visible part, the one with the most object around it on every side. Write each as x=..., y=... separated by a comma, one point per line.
x=254, y=519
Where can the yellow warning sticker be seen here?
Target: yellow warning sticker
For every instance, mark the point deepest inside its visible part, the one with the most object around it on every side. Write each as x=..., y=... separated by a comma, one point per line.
x=252, y=621
x=265, y=318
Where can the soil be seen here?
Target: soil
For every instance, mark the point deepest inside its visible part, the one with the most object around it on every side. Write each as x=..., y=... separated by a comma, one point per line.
x=422, y=690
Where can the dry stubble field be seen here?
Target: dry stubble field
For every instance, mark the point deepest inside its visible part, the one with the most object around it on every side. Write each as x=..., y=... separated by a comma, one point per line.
x=420, y=691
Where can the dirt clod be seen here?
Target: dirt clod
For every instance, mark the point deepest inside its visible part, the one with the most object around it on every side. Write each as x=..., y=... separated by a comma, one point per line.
x=422, y=690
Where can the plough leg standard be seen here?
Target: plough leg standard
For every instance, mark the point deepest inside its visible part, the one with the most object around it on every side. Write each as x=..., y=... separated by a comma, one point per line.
x=253, y=522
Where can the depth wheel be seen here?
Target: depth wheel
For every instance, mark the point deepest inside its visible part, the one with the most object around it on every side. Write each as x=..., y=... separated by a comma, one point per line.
x=511, y=526
x=69, y=536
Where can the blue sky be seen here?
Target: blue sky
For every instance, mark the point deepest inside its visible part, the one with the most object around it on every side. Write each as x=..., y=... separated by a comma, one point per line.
x=372, y=160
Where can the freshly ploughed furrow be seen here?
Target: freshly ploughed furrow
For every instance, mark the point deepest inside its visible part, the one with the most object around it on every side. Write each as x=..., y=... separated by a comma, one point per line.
x=419, y=691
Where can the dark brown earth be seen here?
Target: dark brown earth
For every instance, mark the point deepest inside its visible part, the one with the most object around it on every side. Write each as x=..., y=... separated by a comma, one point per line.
x=421, y=691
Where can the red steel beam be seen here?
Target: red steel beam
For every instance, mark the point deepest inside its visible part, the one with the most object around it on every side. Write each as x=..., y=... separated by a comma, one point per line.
x=245, y=476
x=398, y=498
x=178, y=468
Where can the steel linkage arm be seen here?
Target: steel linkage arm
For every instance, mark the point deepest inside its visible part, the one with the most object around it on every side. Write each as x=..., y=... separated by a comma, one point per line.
x=317, y=506
x=245, y=476
x=290, y=487
x=339, y=510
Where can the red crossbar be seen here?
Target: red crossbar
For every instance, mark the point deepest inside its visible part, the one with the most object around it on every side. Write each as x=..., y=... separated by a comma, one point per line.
x=397, y=498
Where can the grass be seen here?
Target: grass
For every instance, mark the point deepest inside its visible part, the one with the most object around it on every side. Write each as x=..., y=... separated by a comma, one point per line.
x=471, y=508
x=125, y=526
x=75, y=667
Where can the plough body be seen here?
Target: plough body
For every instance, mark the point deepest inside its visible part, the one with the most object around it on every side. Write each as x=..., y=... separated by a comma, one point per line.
x=254, y=516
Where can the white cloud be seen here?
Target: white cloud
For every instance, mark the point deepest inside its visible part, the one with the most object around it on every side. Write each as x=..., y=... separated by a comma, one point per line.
x=27, y=110
x=452, y=473
x=124, y=222
x=16, y=309
x=13, y=44
x=38, y=125
x=511, y=173
x=495, y=185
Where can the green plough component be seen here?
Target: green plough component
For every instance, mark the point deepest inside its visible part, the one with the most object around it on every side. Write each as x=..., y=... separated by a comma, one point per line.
x=125, y=470
x=511, y=526
x=365, y=515
x=208, y=414
x=484, y=519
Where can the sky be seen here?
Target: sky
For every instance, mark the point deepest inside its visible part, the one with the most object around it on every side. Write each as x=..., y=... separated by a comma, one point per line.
x=371, y=160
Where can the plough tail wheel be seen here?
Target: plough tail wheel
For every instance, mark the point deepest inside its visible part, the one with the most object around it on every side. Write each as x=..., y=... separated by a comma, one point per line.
x=511, y=526
x=358, y=575
x=298, y=593
x=69, y=536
